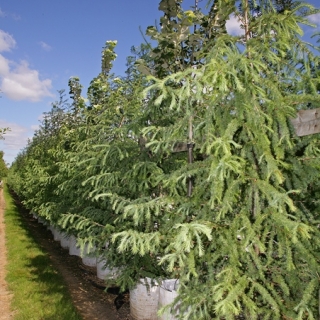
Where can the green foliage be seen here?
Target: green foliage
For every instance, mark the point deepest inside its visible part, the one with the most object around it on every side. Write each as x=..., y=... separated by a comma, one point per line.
x=38, y=290
x=234, y=216
x=3, y=131
x=3, y=166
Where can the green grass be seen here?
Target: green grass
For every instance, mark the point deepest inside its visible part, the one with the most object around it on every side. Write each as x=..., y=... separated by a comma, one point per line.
x=38, y=289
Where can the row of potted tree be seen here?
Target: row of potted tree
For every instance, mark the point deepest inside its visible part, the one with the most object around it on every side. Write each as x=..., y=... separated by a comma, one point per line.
x=189, y=167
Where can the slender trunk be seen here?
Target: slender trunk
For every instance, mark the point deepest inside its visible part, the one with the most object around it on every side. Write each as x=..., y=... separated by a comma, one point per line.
x=190, y=137
x=190, y=154
x=247, y=38
x=246, y=20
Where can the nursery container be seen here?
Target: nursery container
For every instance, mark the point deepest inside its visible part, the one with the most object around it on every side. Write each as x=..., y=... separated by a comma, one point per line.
x=57, y=234
x=50, y=227
x=104, y=272
x=167, y=294
x=65, y=240
x=42, y=220
x=88, y=257
x=74, y=249
x=144, y=299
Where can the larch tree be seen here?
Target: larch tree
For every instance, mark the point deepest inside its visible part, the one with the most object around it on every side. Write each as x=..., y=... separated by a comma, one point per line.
x=190, y=168
x=244, y=237
x=3, y=166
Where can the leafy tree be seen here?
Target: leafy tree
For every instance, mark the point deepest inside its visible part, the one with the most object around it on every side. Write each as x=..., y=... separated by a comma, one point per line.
x=3, y=166
x=3, y=132
x=189, y=166
x=32, y=172
x=245, y=236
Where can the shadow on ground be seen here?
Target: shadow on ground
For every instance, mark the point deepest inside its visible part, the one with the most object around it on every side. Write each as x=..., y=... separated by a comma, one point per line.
x=87, y=291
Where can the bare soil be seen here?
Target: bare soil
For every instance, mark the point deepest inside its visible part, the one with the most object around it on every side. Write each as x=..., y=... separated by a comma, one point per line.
x=88, y=293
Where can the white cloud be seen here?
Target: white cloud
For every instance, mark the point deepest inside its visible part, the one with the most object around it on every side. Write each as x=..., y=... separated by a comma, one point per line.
x=7, y=42
x=23, y=83
x=15, y=16
x=16, y=138
x=4, y=14
x=4, y=65
x=35, y=127
x=315, y=18
x=41, y=116
x=45, y=46
x=18, y=80
x=233, y=26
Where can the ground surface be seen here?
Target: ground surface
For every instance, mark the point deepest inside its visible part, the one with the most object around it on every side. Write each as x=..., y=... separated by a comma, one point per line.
x=5, y=296
x=87, y=291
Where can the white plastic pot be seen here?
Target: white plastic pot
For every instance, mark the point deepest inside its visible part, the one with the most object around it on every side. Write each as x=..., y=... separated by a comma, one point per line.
x=144, y=300
x=42, y=220
x=57, y=234
x=88, y=257
x=167, y=294
x=74, y=249
x=65, y=240
x=104, y=272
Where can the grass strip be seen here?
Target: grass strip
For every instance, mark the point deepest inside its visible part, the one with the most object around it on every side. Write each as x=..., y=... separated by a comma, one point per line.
x=38, y=289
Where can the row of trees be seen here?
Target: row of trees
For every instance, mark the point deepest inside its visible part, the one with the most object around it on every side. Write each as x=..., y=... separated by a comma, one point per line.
x=3, y=165
x=188, y=166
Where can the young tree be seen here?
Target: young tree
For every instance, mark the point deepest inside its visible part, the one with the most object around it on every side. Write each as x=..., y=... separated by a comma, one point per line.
x=246, y=234
x=202, y=177
x=3, y=166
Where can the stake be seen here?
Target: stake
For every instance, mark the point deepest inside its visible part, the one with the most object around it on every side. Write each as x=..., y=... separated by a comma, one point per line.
x=190, y=154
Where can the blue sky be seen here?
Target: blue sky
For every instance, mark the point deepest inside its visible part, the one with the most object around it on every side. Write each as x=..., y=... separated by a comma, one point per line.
x=43, y=43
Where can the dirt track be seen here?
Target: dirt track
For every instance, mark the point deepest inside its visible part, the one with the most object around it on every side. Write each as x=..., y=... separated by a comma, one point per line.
x=87, y=291
x=5, y=296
